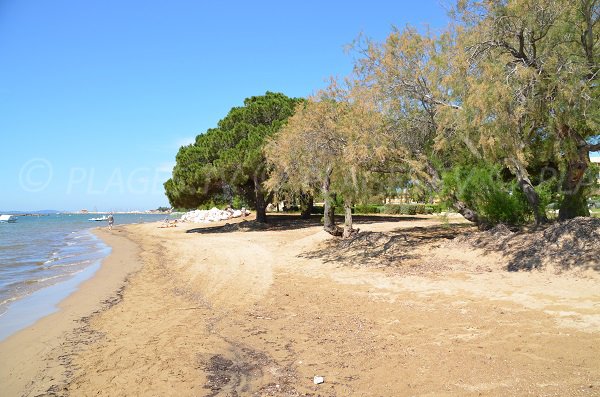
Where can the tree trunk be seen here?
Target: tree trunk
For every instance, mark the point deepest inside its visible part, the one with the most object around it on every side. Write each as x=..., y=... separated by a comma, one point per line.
x=348, y=230
x=466, y=212
x=534, y=201
x=261, y=203
x=573, y=205
x=461, y=207
x=470, y=215
x=329, y=207
x=531, y=195
x=574, y=201
x=306, y=205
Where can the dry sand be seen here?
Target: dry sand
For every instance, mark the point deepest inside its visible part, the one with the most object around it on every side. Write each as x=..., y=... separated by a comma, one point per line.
x=261, y=312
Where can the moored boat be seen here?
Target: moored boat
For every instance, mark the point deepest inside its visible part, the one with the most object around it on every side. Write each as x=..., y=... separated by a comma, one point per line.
x=8, y=218
x=104, y=218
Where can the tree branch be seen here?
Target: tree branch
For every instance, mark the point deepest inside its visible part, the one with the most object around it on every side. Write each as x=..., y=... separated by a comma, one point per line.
x=430, y=99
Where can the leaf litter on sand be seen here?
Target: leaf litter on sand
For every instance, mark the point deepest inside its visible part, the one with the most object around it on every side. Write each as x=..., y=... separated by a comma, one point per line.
x=572, y=245
x=561, y=246
x=405, y=250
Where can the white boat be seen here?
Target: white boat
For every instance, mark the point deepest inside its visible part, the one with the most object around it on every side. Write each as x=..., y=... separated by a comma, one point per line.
x=8, y=218
x=104, y=218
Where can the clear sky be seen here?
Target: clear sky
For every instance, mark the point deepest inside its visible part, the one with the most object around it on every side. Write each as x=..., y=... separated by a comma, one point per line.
x=97, y=96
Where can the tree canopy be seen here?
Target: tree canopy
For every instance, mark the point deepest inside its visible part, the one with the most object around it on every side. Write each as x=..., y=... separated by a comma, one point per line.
x=497, y=115
x=228, y=160
x=511, y=83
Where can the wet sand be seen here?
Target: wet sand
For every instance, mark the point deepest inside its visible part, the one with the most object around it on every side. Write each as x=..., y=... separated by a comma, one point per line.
x=33, y=360
x=249, y=313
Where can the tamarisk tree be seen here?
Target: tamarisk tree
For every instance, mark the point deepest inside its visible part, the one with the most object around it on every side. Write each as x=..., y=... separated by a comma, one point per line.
x=407, y=78
x=327, y=148
x=513, y=82
x=543, y=57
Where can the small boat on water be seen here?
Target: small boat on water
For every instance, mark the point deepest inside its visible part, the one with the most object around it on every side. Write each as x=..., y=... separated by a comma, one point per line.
x=104, y=218
x=8, y=218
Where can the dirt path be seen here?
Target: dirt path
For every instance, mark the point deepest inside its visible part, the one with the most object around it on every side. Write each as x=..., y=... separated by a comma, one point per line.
x=244, y=313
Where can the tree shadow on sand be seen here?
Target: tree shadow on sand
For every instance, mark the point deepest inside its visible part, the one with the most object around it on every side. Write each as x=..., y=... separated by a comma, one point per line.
x=277, y=222
x=572, y=244
x=386, y=249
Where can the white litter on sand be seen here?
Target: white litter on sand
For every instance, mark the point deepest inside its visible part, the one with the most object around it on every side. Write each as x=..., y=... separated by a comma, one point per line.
x=318, y=380
x=213, y=215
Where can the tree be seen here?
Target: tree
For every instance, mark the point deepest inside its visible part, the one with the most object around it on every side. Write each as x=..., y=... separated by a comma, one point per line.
x=305, y=152
x=229, y=160
x=497, y=117
x=548, y=51
x=514, y=82
x=406, y=78
x=326, y=148
x=482, y=186
x=195, y=177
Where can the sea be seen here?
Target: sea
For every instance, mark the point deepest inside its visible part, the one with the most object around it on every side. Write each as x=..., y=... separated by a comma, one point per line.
x=44, y=258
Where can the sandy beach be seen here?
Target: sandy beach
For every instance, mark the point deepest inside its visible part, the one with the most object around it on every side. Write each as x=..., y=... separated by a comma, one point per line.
x=208, y=311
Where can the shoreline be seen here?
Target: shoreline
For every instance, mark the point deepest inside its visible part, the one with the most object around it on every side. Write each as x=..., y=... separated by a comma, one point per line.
x=56, y=255
x=26, y=310
x=199, y=310
x=23, y=354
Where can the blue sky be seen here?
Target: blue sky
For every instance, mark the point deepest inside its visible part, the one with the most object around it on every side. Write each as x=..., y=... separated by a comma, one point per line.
x=97, y=96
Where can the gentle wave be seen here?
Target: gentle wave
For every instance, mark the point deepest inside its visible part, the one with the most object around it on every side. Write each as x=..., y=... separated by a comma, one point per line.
x=36, y=252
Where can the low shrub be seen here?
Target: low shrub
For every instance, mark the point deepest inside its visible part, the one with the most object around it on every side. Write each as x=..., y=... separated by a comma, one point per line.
x=482, y=188
x=366, y=209
x=211, y=204
x=435, y=208
x=317, y=210
x=391, y=209
x=408, y=209
x=239, y=202
x=357, y=209
x=339, y=210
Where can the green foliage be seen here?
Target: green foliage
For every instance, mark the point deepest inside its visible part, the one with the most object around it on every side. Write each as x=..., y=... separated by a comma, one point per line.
x=591, y=178
x=481, y=187
x=318, y=210
x=228, y=161
x=213, y=204
x=239, y=202
x=435, y=208
x=357, y=209
x=341, y=211
x=410, y=209
x=547, y=192
x=399, y=209
x=391, y=209
x=514, y=85
x=367, y=209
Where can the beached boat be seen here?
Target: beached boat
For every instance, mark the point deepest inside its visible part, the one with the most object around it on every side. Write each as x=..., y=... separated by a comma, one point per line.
x=104, y=218
x=8, y=218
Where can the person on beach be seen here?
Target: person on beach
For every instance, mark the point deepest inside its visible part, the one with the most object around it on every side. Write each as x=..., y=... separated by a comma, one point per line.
x=111, y=220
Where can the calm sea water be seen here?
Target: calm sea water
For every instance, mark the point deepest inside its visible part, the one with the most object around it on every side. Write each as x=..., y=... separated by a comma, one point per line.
x=43, y=252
